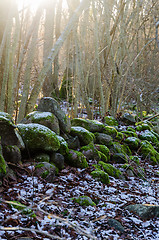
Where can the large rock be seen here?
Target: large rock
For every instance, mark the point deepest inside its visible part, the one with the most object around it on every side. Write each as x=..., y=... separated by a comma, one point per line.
x=103, y=139
x=48, y=104
x=3, y=165
x=46, y=171
x=76, y=159
x=38, y=137
x=47, y=119
x=90, y=125
x=83, y=134
x=144, y=211
x=9, y=133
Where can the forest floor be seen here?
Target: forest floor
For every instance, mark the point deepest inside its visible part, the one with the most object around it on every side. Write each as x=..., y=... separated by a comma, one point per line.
x=55, y=215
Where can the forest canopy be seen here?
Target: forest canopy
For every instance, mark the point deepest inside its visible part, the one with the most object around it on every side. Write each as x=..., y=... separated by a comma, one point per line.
x=90, y=53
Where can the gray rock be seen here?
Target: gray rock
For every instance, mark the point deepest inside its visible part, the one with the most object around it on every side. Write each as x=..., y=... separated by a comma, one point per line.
x=42, y=157
x=9, y=133
x=128, y=118
x=83, y=134
x=12, y=154
x=144, y=211
x=47, y=119
x=46, y=171
x=48, y=104
x=119, y=158
x=58, y=160
x=116, y=224
x=38, y=137
x=90, y=125
x=104, y=139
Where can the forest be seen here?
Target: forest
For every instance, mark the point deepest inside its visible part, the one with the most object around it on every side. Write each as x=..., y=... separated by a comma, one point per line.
x=79, y=119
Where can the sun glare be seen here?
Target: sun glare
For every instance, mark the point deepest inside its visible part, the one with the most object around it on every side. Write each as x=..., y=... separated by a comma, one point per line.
x=31, y=3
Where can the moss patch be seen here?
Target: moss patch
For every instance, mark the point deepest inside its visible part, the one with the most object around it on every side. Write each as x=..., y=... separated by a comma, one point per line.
x=76, y=159
x=84, y=135
x=110, y=169
x=84, y=201
x=101, y=176
x=148, y=152
x=132, y=142
x=110, y=121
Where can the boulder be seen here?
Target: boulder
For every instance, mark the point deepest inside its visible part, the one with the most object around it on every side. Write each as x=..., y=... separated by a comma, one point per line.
x=148, y=152
x=148, y=135
x=101, y=176
x=42, y=157
x=48, y=104
x=110, y=121
x=132, y=142
x=46, y=171
x=90, y=125
x=47, y=119
x=128, y=119
x=108, y=168
x=63, y=146
x=103, y=139
x=144, y=211
x=9, y=133
x=58, y=160
x=83, y=134
x=12, y=154
x=76, y=159
x=38, y=137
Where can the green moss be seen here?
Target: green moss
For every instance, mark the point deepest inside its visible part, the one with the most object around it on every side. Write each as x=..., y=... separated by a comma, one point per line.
x=36, y=136
x=110, y=121
x=101, y=176
x=131, y=129
x=104, y=149
x=110, y=169
x=2, y=166
x=126, y=149
x=132, y=142
x=63, y=146
x=39, y=165
x=76, y=159
x=142, y=127
x=120, y=136
x=84, y=201
x=148, y=135
x=135, y=159
x=110, y=131
x=148, y=152
x=102, y=156
x=90, y=125
x=84, y=135
x=129, y=133
x=45, y=174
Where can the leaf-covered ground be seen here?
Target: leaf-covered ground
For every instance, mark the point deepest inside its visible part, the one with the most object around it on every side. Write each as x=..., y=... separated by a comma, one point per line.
x=53, y=214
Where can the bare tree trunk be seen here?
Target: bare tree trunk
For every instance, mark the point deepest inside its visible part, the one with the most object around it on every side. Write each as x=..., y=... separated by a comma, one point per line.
x=54, y=51
x=48, y=42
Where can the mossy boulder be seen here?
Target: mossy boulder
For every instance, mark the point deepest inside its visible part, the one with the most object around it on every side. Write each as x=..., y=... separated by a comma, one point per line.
x=76, y=159
x=129, y=133
x=104, y=149
x=90, y=152
x=48, y=104
x=131, y=129
x=148, y=135
x=103, y=139
x=143, y=126
x=148, y=152
x=9, y=133
x=83, y=134
x=47, y=119
x=63, y=146
x=7, y=115
x=102, y=156
x=46, y=171
x=110, y=121
x=110, y=131
x=38, y=137
x=128, y=118
x=119, y=136
x=120, y=148
x=132, y=142
x=110, y=169
x=84, y=201
x=90, y=125
x=101, y=176
x=42, y=157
